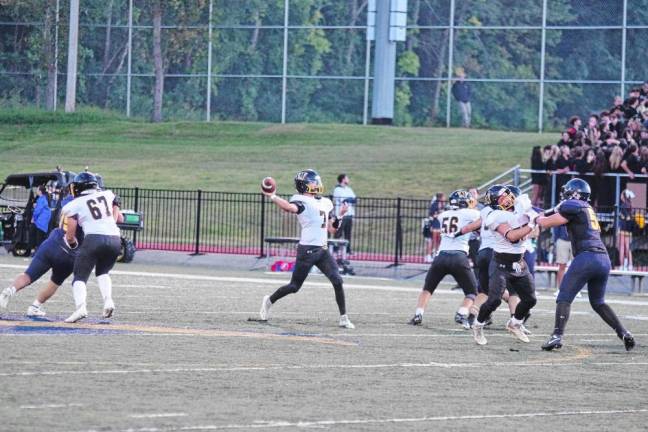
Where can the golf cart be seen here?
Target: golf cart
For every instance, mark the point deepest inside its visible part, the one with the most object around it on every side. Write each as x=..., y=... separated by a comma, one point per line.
x=17, y=198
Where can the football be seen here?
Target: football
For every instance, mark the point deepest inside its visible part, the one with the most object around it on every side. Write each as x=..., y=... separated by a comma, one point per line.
x=268, y=185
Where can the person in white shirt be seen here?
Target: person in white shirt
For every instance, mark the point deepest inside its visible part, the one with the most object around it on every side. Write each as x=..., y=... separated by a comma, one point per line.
x=97, y=212
x=344, y=195
x=314, y=213
x=452, y=259
x=508, y=268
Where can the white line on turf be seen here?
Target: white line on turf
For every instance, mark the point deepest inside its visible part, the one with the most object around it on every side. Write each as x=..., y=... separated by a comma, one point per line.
x=264, y=424
x=158, y=415
x=556, y=363
x=45, y=406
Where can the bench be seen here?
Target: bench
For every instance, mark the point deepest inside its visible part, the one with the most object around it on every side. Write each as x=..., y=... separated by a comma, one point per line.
x=636, y=276
x=292, y=242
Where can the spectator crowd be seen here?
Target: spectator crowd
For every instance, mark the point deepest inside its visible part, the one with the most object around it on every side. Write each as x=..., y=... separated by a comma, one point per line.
x=612, y=141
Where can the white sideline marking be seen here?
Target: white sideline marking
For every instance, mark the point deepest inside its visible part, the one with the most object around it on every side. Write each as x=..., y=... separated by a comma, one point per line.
x=274, y=282
x=70, y=405
x=263, y=424
x=158, y=415
x=312, y=367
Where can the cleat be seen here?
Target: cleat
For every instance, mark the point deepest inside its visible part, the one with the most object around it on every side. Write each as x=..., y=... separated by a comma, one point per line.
x=4, y=298
x=77, y=315
x=346, y=322
x=488, y=322
x=265, y=308
x=525, y=330
x=465, y=323
x=108, y=309
x=628, y=341
x=554, y=342
x=458, y=318
x=478, y=334
x=35, y=311
x=416, y=320
x=516, y=330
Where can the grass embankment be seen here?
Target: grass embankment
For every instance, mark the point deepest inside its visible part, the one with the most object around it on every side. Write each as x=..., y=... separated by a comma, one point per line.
x=233, y=156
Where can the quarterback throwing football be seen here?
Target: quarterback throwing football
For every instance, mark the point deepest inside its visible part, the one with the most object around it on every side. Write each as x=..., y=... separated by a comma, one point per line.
x=314, y=214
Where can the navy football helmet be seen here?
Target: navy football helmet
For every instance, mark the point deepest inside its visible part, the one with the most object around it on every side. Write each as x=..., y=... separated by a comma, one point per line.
x=459, y=199
x=494, y=197
x=84, y=182
x=516, y=191
x=308, y=181
x=577, y=189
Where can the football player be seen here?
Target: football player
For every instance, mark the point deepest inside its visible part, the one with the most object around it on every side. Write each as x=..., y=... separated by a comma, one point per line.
x=97, y=213
x=314, y=215
x=591, y=263
x=507, y=268
x=452, y=258
x=55, y=254
x=485, y=253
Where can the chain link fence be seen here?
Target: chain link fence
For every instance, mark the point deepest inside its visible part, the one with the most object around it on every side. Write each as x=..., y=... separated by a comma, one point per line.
x=531, y=63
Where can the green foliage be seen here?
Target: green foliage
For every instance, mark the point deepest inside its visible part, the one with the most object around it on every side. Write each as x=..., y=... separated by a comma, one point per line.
x=251, y=48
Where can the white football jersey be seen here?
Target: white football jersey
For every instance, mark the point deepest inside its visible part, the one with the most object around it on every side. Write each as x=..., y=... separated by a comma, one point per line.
x=451, y=222
x=94, y=213
x=487, y=237
x=313, y=220
x=501, y=244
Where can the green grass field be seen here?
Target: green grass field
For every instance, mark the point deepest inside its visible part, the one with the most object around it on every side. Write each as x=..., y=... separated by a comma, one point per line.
x=233, y=156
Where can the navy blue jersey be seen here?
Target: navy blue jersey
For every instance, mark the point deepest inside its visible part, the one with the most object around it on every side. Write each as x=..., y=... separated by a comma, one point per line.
x=56, y=242
x=583, y=226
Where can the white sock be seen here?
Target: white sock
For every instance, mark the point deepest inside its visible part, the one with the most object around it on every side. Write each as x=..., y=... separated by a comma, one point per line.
x=463, y=311
x=105, y=286
x=478, y=324
x=79, y=292
x=36, y=303
x=516, y=321
x=11, y=291
x=419, y=311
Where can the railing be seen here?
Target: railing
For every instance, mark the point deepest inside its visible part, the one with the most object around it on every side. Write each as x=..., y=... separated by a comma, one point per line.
x=385, y=230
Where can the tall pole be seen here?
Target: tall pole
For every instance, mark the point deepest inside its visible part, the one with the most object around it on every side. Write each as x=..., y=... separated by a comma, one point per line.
x=382, y=106
x=542, y=67
x=623, y=46
x=73, y=46
x=365, y=107
x=284, y=71
x=209, y=61
x=130, y=52
x=56, y=52
x=450, y=62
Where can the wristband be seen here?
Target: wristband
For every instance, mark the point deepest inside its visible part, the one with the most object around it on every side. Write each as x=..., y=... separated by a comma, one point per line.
x=272, y=197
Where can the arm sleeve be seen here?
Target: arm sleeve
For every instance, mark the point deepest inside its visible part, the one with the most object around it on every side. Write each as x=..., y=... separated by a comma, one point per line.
x=41, y=204
x=300, y=206
x=117, y=201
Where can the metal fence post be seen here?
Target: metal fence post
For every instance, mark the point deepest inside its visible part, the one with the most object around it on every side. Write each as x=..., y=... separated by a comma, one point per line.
x=399, y=233
x=617, y=202
x=136, y=208
x=542, y=67
x=262, y=230
x=209, y=62
x=198, y=211
x=553, y=190
x=450, y=62
x=130, y=56
x=284, y=70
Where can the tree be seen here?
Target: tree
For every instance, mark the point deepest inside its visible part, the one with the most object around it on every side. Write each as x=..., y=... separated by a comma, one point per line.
x=158, y=90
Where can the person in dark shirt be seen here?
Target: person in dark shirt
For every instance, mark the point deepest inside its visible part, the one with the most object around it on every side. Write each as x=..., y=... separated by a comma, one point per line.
x=461, y=92
x=563, y=165
x=539, y=180
x=626, y=226
x=55, y=254
x=591, y=264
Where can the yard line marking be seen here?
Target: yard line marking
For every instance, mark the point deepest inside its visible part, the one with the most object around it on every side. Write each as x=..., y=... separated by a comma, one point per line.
x=265, y=424
x=262, y=368
x=70, y=405
x=158, y=415
x=182, y=331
